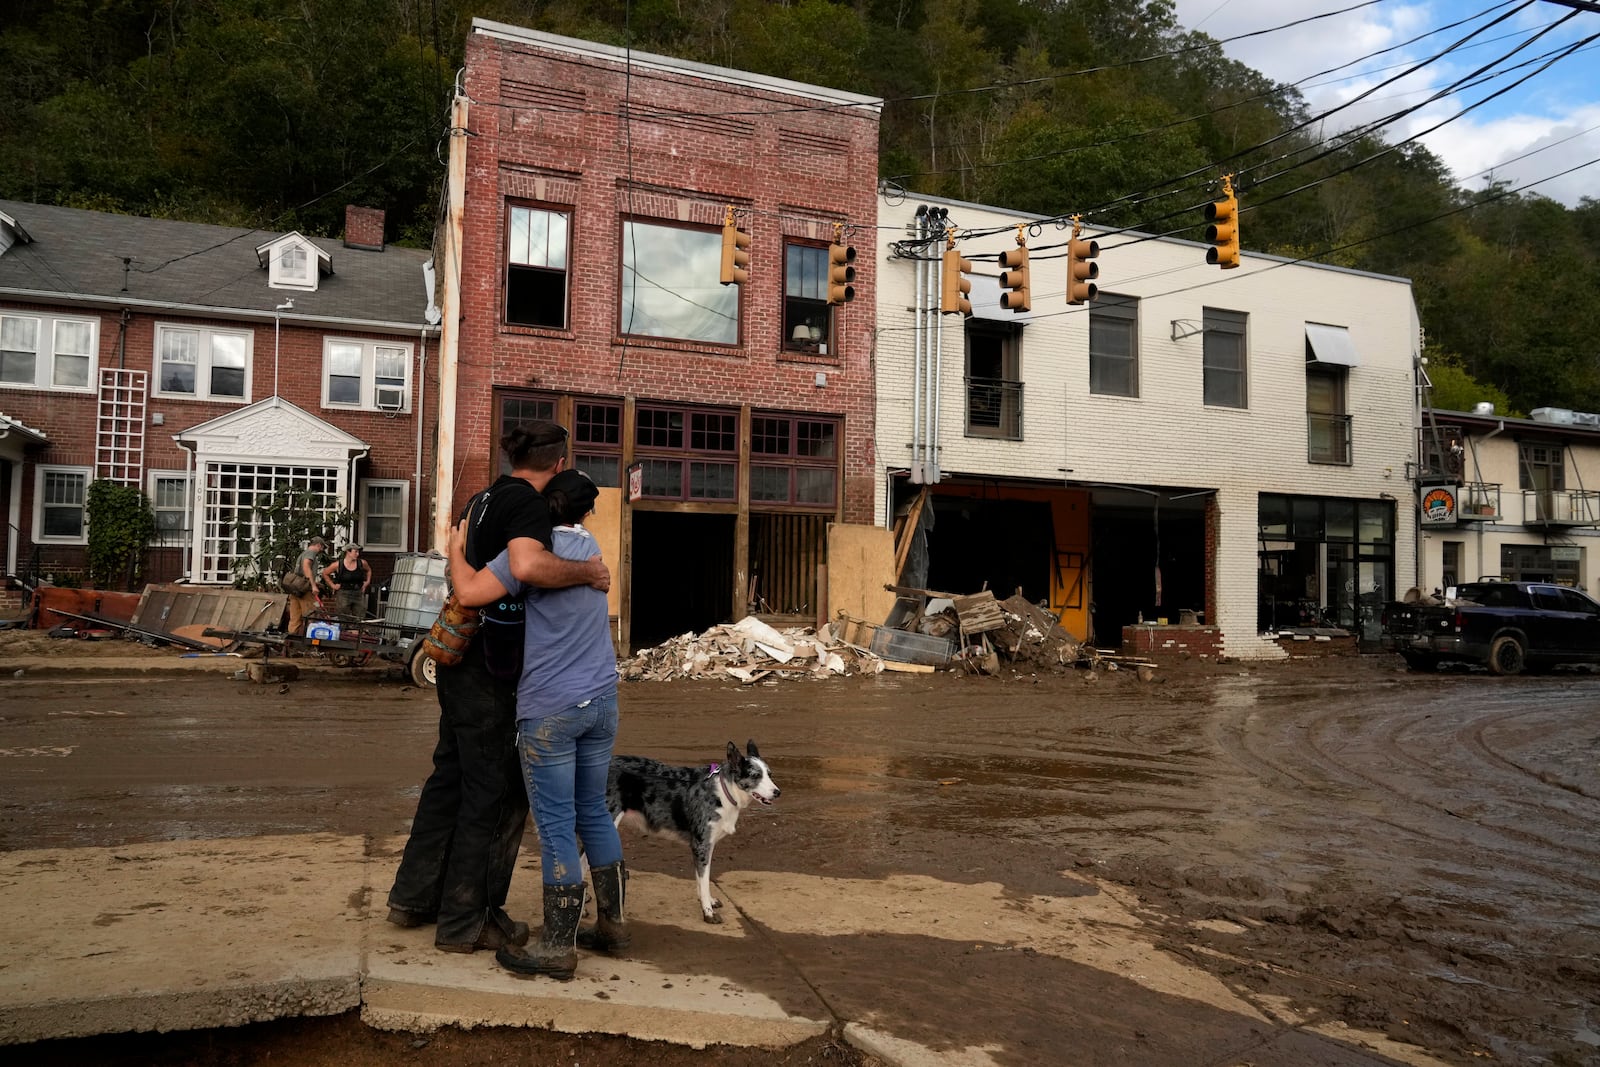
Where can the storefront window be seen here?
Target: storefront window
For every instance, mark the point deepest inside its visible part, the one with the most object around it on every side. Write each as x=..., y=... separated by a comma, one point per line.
x=1325, y=562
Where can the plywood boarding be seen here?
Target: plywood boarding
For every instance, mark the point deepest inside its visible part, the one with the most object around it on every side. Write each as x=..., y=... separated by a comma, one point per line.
x=861, y=562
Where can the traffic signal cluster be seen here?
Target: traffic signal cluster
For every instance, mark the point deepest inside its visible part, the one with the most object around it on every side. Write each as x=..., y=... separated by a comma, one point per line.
x=735, y=252
x=953, y=295
x=1014, y=278
x=841, y=269
x=1081, y=272
x=1222, y=229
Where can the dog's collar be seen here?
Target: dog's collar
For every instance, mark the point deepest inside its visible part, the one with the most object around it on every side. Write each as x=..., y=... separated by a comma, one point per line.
x=716, y=772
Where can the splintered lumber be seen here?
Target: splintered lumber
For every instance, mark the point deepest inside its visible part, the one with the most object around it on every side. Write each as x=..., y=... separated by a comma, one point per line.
x=1032, y=635
x=979, y=613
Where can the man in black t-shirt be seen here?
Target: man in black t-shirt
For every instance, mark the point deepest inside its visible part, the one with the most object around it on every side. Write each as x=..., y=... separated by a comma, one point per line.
x=458, y=861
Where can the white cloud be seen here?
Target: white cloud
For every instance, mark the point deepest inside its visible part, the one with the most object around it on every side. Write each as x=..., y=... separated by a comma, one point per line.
x=1555, y=104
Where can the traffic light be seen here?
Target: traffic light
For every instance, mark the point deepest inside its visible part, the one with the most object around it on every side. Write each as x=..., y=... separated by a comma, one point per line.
x=953, y=300
x=1080, y=271
x=735, y=252
x=1014, y=278
x=1223, y=228
x=841, y=273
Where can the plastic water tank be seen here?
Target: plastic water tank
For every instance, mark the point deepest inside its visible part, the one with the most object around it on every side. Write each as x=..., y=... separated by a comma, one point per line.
x=1559, y=416
x=1483, y=407
x=416, y=591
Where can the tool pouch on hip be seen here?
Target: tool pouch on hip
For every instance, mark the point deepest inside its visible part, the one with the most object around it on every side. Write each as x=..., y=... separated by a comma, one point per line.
x=452, y=633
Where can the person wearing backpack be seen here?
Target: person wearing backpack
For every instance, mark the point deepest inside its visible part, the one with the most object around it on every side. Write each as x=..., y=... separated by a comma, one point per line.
x=458, y=860
x=308, y=566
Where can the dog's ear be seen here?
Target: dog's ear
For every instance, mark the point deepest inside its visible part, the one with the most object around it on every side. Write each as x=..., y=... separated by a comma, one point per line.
x=733, y=753
x=750, y=749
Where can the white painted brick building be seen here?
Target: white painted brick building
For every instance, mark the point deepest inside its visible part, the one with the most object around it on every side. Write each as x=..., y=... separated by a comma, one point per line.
x=1157, y=501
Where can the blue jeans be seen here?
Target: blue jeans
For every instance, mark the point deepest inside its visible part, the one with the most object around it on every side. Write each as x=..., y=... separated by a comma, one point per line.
x=565, y=760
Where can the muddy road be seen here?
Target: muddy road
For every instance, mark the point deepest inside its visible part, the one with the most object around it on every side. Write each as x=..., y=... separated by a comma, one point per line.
x=1410, y=854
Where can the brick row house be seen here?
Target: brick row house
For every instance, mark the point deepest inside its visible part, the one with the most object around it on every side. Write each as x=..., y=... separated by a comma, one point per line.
x=592, y=194
x=206, y=365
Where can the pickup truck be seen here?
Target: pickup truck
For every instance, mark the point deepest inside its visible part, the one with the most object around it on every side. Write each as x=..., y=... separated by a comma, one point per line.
x=1505, y=626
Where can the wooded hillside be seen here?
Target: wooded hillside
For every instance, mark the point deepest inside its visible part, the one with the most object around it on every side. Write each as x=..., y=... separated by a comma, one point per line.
x=277, y=113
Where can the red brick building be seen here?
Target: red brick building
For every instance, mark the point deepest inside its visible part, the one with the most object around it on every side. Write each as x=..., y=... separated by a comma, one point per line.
x=206, y=365
x=593, y=185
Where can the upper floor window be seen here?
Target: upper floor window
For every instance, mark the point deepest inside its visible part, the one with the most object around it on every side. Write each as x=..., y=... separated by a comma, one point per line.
x=366, y=374
x=293, y=262
x=1114, y=345
x=1226, y=384
x=994, y=382
x=807, y=315
x=46, y=352
x=536, y=267
x=1542, y=467
x=1327, y=423
x=670, y=285
x=202, y=363
x=60, y=515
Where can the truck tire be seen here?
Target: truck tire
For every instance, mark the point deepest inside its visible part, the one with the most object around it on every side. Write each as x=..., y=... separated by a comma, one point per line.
x=424, y=671
x=1506, y=656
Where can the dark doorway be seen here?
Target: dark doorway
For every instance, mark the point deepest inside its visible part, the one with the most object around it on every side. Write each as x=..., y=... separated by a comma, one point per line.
x=682, y=576
x=1122, y=561
x=999, y=545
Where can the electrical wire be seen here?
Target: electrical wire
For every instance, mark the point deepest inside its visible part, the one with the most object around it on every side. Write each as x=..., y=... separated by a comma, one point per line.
x=1274, y=92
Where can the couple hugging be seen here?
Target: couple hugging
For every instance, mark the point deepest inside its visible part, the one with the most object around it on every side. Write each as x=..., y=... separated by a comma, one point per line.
x=528, y=717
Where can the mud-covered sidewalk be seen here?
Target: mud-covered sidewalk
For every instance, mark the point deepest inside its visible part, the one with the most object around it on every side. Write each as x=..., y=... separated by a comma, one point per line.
x=1314, y=863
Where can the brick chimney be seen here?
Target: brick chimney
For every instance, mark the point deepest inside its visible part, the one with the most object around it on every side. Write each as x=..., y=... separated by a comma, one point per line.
x=363, y=228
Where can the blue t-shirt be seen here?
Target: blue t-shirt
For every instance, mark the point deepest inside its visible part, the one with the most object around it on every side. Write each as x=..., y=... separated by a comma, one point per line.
x=567, y=656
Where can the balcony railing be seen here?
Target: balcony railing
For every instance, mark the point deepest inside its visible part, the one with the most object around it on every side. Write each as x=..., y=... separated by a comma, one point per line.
x=994, y=408
x=1479, y=502
x=1561, y=507
x=1327, y=438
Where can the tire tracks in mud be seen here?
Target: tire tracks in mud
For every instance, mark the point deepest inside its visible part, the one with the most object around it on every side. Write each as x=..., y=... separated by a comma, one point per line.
x=1455, y=772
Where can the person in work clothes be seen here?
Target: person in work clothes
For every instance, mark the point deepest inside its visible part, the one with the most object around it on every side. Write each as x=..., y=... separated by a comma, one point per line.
x=349, y=575
x=309, y=564
x=458, y=860
x=566, y=727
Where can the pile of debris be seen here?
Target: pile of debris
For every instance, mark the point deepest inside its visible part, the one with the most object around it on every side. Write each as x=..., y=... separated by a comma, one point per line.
x=748, y=650
x=926, y=631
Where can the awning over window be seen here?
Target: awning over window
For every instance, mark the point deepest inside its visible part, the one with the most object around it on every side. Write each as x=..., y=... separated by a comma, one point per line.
x=1331, y=344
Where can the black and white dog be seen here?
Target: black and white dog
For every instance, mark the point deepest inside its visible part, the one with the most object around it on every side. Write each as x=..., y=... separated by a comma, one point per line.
x=700, y=805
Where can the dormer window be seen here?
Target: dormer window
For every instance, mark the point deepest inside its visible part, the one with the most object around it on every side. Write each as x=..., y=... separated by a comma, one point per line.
x=294, y=262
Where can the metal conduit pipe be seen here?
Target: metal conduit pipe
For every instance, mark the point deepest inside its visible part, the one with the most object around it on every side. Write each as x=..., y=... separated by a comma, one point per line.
x=918, y=230
x=930, y=327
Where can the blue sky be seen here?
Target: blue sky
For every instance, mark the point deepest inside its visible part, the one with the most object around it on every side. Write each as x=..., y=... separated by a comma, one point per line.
x=1556, y=112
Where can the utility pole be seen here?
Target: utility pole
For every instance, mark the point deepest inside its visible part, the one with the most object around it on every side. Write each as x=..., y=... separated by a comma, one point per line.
x=444, y=473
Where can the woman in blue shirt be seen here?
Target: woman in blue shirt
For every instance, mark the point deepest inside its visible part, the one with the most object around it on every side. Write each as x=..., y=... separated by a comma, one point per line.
x=566, y=727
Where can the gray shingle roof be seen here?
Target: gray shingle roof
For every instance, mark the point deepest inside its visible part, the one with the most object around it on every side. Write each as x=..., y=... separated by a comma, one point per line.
x=80, y=254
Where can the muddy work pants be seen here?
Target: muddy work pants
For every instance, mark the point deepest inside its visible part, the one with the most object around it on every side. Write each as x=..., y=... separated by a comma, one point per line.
x=468, y=827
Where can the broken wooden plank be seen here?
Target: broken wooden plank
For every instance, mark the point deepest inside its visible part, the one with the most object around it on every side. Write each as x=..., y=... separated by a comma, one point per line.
x=908, y=668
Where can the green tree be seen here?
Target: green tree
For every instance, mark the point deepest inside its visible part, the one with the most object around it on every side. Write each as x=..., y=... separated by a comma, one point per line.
x=277, y=532
x=121, y=525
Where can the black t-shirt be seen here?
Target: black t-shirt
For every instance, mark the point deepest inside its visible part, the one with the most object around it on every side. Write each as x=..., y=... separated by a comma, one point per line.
x=508, y=509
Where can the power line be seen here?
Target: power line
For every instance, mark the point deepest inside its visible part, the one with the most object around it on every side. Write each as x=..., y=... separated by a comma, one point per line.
x=1274, y=92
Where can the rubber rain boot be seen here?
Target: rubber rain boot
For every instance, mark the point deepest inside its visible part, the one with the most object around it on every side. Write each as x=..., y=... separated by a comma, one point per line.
x=555, y=954
x=609, y=934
